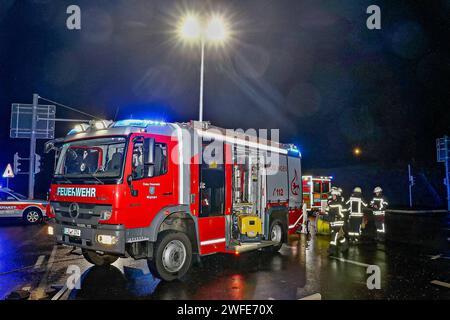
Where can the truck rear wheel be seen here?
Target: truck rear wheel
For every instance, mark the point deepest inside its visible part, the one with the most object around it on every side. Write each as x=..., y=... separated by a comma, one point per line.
x=98, y=259
x=172, y=256
x=276, y=234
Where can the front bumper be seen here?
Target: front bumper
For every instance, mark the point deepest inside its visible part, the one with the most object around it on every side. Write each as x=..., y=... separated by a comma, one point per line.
x=88, y=237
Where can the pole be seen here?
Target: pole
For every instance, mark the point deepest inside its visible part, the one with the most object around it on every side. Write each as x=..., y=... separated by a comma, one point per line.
x=32, y=147
x=410, y=185
x=7, y=183
x=447, y=168
x=202, y=71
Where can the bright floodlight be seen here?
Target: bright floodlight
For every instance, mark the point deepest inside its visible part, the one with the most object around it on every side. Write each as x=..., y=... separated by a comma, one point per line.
x=217, y=29
x=189, y=27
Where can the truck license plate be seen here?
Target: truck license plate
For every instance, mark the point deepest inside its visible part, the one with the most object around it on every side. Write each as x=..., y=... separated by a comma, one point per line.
x=72, y=232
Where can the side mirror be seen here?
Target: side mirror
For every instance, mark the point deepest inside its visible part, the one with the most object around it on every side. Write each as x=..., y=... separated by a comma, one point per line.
x=53, y=145
x=149, y=151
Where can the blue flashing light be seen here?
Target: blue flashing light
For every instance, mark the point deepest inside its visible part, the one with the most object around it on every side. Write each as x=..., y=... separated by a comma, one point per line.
x=82, y=127
x=138, y=123
x=293, y=150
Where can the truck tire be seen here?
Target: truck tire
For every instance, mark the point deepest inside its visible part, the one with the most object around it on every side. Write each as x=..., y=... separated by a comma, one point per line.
x=276, y=233
x=32, y=216
x=98, y=259
x=172, y=256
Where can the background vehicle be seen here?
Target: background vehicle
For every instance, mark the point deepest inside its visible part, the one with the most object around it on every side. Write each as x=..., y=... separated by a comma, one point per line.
x=167, y=191
x=15, y=205
x=315, y=194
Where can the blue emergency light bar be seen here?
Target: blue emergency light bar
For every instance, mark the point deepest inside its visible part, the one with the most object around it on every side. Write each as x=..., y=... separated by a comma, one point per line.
x=294, y=151
x=138, y=123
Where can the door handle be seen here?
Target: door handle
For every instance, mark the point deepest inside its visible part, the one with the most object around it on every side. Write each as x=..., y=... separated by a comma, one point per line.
x=167, y=193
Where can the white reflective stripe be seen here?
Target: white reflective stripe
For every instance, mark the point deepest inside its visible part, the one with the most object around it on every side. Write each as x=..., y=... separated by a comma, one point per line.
x=378, y=213
x=335, y=239
x=342, y=240
x=238, y=141
x=298, y=220
x=212, y=241
x=356, y=214
x=382, y=229
x=180, y=164
x=354, y=233
x=337, y=223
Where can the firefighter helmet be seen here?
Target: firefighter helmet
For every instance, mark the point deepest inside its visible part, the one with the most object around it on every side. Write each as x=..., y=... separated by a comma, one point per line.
x=377, y=190
x=357, y=190
x=335, y=192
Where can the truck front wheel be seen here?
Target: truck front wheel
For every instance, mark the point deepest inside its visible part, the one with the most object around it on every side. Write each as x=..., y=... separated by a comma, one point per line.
x=172, y=256
x=98, y=259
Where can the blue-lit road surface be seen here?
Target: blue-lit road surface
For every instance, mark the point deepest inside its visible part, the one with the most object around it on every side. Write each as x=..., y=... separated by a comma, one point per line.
x=29, y=260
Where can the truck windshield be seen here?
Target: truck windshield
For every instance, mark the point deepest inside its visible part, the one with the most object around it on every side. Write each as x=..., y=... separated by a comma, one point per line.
x=93, y=158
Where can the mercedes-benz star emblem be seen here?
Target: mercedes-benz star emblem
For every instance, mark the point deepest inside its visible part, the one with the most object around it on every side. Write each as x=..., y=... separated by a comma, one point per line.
x=74, y=210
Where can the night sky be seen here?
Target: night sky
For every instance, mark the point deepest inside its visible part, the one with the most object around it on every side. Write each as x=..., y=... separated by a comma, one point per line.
x=310, y=68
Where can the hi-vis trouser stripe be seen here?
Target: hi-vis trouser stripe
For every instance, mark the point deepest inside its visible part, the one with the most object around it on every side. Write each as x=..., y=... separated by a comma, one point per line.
x=382, y=229
x=337, y=223
x=335, y=239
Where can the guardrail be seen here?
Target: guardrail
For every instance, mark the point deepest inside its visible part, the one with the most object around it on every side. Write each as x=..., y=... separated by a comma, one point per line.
x=424, y=228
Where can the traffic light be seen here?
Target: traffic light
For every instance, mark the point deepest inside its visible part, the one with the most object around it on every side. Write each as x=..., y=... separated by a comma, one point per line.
x=37, y=163
x=412, y=180
x=17, y=163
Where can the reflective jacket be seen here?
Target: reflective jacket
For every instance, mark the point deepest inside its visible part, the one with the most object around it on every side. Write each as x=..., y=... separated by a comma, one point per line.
x=378, y=204
x=356, y=205
x=336, y=211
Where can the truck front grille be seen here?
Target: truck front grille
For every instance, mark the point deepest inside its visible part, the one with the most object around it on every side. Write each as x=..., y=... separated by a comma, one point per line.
x=86, y=213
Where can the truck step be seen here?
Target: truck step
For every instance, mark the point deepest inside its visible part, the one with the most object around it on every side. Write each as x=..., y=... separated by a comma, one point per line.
x=245, y=247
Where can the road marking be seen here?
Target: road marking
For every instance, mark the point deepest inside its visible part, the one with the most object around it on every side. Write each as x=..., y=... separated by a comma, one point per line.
x=351, y=261
x=438, y=256
x=315, y=296
x=441, y=283
x=40, y=290
x=39, y=261
x=60, y=293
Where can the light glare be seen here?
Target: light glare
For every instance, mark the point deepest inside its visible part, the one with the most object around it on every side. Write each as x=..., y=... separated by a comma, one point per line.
x=189, y=27
x=217, y=29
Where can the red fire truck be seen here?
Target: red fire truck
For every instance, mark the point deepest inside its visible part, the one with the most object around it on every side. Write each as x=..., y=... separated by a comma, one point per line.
x=167, y=191
x=316, y=191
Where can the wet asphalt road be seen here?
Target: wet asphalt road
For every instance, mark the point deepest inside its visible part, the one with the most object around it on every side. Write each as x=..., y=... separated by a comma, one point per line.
x=29, y=259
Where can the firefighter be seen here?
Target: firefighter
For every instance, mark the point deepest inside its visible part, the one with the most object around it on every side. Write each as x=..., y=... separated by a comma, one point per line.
x=336, y=215
x=356, y=207
x=379, y=205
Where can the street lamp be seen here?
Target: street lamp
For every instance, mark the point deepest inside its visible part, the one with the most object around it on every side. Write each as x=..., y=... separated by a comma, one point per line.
x=193, y=28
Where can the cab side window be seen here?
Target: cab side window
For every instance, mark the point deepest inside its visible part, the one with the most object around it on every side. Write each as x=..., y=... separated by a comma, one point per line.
x=316, y=187
x=3, y=196
x=159, y=167
x=138, y=161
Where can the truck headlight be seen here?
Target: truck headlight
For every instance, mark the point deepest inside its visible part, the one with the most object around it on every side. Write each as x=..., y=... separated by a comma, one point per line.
x=107, y=239
x=105, y=214
x=50, y=231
